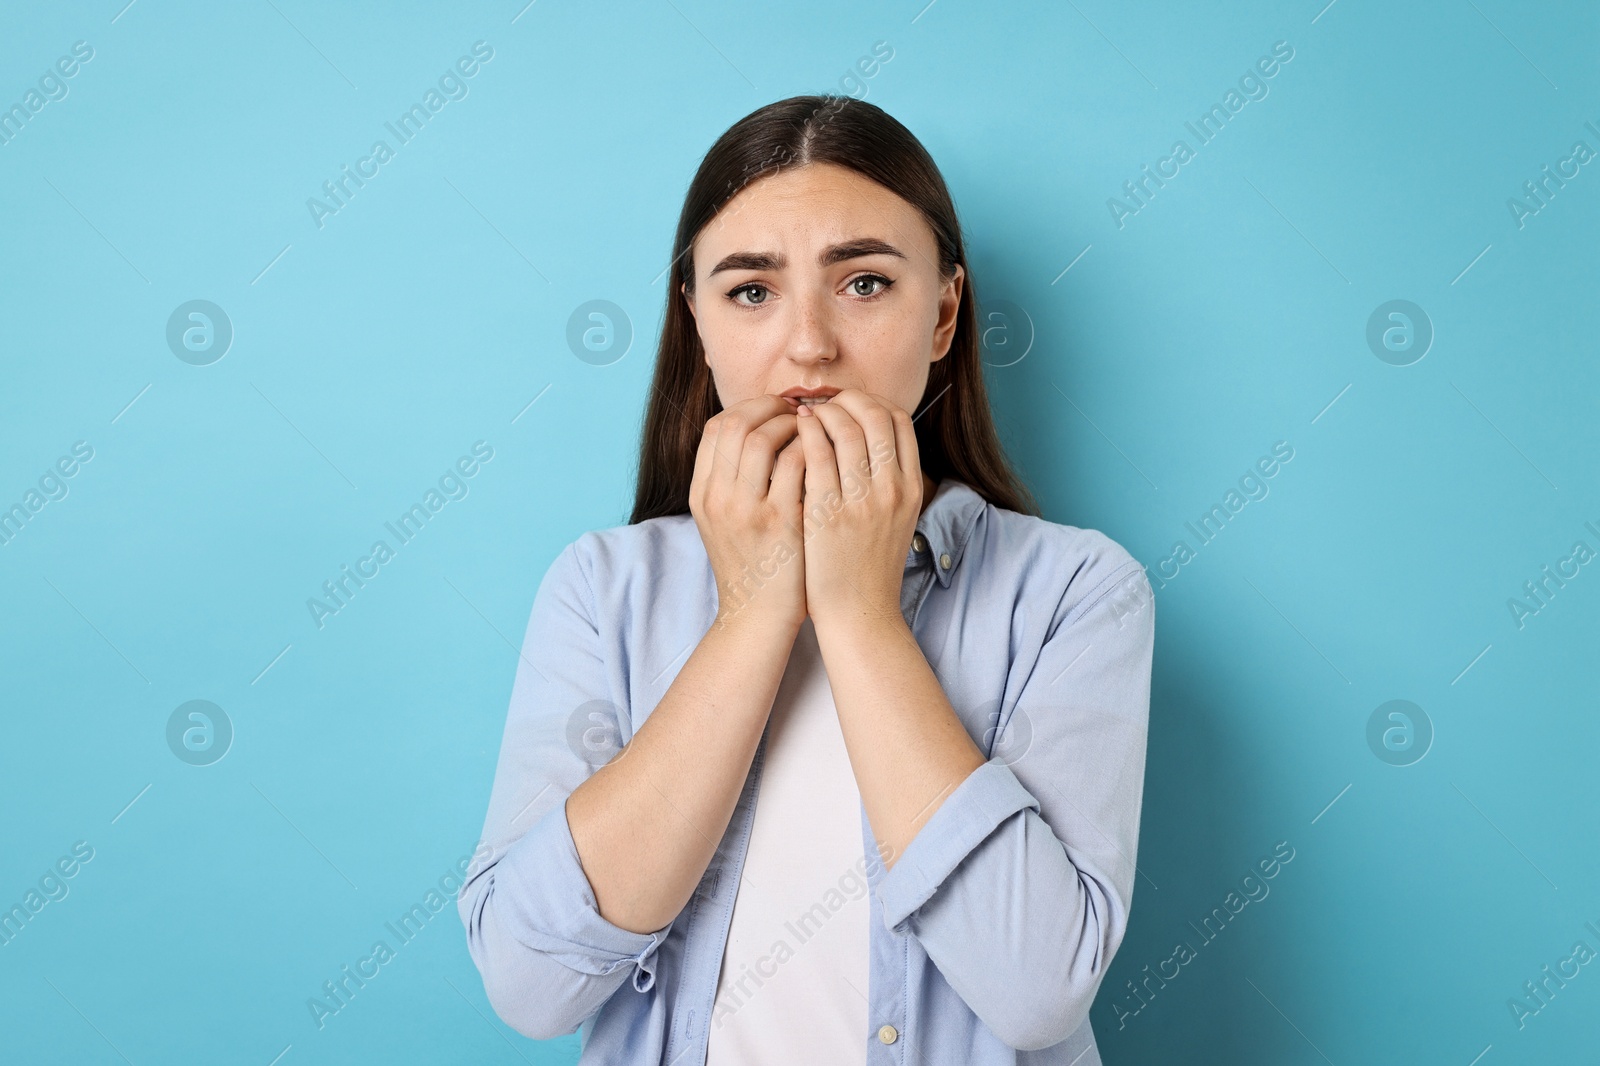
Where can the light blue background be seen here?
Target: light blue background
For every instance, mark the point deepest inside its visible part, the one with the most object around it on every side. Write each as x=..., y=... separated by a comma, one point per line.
x=1228, y=314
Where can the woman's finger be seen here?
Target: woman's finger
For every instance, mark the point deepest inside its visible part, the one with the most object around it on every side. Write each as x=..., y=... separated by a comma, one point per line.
x=905, y=438
x=850, y=447
x=874, y=415
x=704, y=456
x=733, y=425
x=788, y=472
x=761, y=448
x=822, y=471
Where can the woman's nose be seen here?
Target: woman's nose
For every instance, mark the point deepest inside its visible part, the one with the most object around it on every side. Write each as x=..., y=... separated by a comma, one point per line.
x=812, y=336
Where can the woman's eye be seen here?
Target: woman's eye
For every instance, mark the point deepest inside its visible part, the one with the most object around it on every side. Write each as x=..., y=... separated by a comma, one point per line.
x=751, y=288
x=866, y=286
x=870, y=279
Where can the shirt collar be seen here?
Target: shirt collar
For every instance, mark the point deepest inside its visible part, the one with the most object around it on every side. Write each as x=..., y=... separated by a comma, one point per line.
x=945, y=527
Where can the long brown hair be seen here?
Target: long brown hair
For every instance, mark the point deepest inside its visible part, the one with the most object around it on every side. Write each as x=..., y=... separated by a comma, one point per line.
x=955, y=430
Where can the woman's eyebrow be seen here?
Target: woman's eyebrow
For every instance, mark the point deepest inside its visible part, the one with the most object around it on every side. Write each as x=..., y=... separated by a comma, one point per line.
x=834, y=253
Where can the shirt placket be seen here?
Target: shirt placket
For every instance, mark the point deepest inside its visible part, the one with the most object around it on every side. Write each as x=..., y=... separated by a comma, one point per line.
x=712, y=908
x=712, y=913
x=889, y=952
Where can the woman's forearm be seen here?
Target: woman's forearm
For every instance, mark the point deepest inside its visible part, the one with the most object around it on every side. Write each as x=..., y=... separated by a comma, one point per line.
x=647, y=823
x=907, y=745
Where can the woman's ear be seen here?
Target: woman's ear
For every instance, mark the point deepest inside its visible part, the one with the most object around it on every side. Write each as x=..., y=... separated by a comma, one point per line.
x=683, y=287
x=949, y=307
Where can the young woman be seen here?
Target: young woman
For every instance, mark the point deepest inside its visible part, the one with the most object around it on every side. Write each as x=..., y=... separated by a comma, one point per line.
x=835, y=753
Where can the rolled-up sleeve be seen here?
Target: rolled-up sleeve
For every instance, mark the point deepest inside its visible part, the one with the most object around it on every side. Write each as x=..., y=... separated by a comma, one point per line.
x=548, y=959
x=1019, y=885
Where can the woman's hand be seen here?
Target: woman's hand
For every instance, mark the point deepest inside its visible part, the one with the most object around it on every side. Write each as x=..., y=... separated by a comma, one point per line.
x=745, y=499
x=863, y=495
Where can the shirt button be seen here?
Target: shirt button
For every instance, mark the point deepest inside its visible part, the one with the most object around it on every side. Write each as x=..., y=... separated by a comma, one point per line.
x=888, y=1034
x=919, y=542
x=944, y=560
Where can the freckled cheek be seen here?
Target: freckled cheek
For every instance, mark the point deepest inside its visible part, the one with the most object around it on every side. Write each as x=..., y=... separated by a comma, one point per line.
x=742, y=357
x=888, y=363
x=738, y=374
x=894, y=340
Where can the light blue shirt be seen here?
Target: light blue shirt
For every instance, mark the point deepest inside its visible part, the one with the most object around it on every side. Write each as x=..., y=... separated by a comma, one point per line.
x=993, y=929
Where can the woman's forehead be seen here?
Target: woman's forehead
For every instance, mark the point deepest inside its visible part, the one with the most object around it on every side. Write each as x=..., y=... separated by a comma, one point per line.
x=798, y=215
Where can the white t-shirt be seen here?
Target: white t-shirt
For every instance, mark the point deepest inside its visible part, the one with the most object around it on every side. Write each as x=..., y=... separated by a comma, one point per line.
x=793, y=985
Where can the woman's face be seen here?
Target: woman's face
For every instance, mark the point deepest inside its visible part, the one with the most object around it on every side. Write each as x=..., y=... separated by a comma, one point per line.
x=818, y=277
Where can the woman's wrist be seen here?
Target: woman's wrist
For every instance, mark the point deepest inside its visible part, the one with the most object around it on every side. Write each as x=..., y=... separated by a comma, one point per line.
x=860, y=626
x=760, y=620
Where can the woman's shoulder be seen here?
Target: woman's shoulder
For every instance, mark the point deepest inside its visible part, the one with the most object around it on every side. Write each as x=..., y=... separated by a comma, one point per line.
x=1084, y=565
x=653, y=552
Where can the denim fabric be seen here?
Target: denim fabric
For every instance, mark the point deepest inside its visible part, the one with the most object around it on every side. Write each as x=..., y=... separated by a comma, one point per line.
x=992, y=931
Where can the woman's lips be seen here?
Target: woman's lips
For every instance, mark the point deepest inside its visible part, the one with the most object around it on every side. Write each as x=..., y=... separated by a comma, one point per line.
x=809, y=401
